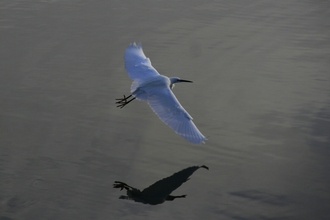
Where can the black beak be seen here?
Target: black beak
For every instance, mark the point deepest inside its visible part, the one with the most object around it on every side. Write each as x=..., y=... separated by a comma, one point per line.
x=183, y=80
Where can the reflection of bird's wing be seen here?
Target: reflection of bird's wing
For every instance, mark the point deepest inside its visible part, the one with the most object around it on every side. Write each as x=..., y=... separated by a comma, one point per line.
x=164, y=103
x=137, y=65
x=164, y=187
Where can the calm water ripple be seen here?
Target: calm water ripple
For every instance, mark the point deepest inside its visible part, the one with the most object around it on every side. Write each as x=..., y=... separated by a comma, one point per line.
x=261, y=95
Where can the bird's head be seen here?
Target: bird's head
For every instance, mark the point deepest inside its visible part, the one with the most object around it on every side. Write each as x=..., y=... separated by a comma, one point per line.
x=177, y=80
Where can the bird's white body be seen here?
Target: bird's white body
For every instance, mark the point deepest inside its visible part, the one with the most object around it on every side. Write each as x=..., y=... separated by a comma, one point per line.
x=149, y=85
x=139, y=88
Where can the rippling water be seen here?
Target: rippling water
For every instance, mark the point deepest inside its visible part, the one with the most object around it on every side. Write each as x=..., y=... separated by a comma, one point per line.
x=261, y=94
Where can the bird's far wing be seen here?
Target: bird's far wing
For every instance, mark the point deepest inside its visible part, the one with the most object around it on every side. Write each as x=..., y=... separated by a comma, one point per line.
x=137, y=65
x=164, y=103
x=166, y=186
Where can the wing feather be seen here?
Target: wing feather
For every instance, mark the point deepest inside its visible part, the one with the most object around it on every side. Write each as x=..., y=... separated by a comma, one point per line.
x=166, y=106
x=137, y=65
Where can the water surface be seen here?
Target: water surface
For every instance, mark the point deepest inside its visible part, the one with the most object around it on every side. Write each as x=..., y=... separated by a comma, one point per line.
x=260, y=94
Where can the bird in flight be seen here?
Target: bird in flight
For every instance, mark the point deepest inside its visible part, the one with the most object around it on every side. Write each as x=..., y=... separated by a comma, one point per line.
x=160, y=191
x=148, y=85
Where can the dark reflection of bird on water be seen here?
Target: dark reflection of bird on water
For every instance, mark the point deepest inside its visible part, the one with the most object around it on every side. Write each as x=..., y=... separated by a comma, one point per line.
x=158, y=192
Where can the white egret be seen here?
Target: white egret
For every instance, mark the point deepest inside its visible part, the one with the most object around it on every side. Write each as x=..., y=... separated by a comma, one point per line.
x=160, y=191
x=150, y=86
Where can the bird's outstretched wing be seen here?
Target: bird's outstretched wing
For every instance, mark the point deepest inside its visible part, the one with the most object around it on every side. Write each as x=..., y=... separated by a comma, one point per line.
x=137, y=65
x=164, y=103
x=166, y=186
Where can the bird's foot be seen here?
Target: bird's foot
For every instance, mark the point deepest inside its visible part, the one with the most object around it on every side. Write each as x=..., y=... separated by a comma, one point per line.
x=120, y=185
x=124, y=101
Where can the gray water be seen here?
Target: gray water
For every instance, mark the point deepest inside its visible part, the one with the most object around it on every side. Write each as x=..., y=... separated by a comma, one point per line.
x=261, y=94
